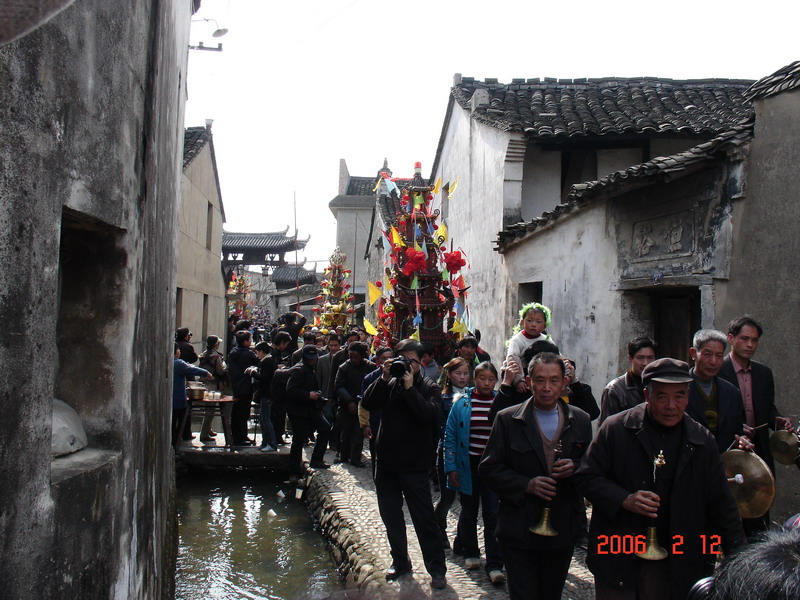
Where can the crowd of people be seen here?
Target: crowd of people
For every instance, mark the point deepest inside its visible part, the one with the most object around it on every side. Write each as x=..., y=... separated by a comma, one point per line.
x=524, y=454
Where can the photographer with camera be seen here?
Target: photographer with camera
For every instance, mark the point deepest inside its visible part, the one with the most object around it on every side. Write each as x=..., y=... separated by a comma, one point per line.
x=304, y=407
x=405, y=449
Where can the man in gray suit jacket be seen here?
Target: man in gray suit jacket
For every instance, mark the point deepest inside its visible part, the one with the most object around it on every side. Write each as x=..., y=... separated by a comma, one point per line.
x=324, y=362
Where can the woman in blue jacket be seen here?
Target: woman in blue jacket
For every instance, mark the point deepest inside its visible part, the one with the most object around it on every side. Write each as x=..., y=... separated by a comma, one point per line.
x=465, y=438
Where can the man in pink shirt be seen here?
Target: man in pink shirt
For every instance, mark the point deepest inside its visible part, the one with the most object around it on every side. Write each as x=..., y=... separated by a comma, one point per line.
x=755, y=382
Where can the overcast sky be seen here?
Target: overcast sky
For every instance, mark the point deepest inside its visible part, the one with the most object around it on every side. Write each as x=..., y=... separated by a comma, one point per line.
x=300, y=85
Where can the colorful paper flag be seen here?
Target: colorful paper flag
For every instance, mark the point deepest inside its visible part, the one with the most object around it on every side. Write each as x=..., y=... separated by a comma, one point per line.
x=438, y=186
x=396, y=239
x=374, y=292
x=370, y=328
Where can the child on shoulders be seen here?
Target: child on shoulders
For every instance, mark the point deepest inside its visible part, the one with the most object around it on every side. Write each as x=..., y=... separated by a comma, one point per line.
x=534, y=319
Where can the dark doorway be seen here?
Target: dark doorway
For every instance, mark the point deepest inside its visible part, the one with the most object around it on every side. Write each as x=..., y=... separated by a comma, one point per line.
x=676, y=317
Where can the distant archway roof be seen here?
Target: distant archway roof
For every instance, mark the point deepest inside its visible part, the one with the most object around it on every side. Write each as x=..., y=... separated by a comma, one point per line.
x=290, y=275
x=269, y=242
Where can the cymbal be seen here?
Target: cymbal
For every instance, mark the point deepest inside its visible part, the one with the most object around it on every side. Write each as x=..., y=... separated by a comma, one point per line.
x=755, y=495
x=783, y=447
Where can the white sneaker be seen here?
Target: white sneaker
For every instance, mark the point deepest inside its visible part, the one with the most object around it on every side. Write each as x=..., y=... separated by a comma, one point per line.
x=268, y=449
x=472, y=563
x=497, y=577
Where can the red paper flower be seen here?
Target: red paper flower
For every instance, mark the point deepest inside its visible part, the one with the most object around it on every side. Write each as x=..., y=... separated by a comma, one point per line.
x=415, y=262
x=453, y=261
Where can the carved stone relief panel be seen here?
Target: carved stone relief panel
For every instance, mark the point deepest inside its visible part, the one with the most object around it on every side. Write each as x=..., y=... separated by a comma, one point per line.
x=667, y=236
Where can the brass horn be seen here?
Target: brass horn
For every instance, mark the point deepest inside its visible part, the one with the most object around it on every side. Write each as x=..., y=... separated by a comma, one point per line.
x=543, y=527
x=653, y=550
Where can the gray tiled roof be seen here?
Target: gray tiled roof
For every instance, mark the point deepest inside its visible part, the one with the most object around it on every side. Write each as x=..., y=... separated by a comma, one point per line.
x=562, y=108
x=389, y=209
x=194, y=140
x=290, y=274
x=782, y=80
x=583, y=193
x=276, y=241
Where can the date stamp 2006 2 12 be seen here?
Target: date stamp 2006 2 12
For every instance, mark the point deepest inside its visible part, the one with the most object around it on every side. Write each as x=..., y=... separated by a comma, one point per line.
x=636, y=544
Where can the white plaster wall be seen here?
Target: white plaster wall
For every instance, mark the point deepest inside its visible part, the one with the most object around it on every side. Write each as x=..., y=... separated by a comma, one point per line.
x=541, y=183
x=475, y=154
x=577, y=265
x=352, y=236
x=199, y=270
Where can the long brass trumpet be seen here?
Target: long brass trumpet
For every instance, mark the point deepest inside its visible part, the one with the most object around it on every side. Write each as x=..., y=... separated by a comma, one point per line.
x=543, y=527
x=653, y=550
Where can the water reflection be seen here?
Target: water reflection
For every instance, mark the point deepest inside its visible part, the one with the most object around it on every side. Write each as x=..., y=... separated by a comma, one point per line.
x=229, y=548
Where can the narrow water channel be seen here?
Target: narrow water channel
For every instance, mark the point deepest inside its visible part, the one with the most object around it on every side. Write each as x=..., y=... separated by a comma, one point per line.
x=230, y=549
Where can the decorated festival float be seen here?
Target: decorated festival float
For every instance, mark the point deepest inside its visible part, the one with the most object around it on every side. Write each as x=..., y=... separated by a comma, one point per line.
x=423, y=294
x=239, y=295
x=335, y=307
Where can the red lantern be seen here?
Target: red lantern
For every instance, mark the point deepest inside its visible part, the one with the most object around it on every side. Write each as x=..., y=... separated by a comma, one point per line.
x=405, y=197
x=435, y=227
x=393, y=281
x=443, y=248
x=429, y=197
x=391, y=315
x=378, y=284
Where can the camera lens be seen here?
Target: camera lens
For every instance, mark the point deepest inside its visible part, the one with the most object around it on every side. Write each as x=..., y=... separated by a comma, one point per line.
x=398, y=368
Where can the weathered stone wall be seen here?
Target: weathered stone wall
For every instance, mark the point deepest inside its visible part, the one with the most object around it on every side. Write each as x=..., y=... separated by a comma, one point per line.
x=352, y=236
x=357, y=565
x=91, y=112
x=764, y=261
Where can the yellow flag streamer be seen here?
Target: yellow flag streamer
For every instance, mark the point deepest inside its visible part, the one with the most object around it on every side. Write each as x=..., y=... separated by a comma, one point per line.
x=396, y=239
x=415, y=335
x=459, y=327
x=374, y=292
x=438, y=186
x=441, y=233
x=452, y=189
x=370, y=328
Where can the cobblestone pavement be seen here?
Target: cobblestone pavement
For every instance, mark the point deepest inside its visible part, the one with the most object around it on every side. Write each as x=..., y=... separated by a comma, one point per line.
x=352, y=492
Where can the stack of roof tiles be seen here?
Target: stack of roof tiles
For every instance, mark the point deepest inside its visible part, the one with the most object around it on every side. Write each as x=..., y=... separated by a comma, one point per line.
x=558, y=108
x=194, y=139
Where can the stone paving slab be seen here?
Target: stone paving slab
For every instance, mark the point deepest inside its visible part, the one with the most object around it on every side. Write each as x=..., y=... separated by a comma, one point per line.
x=343, y=499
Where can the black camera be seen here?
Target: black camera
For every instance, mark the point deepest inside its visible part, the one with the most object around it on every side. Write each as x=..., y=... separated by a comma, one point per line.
x=400, y=366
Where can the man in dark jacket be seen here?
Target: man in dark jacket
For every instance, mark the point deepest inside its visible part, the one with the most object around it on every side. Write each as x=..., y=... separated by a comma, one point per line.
x=348, y=382
x=713, y=402
x=529, y=461
x=405, y=448
x=239, y=360
x=755, y=383
x=653, y=465
x=293, y=324
x=304, y=407
x=627, y=390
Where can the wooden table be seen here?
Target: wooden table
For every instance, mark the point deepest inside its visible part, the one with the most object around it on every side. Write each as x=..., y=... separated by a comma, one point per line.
x=222, y=407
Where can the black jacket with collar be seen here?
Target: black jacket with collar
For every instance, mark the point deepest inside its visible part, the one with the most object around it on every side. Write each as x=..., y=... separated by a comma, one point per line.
x=618, y=463
x=620, y=394
x=409, y=429
x=302, y=381
x=730, y=411
x=763, y=389
x=514, y=455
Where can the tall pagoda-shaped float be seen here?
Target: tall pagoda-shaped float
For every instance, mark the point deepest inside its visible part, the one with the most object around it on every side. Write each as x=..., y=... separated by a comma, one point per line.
x=335, y=302
x=424, y=295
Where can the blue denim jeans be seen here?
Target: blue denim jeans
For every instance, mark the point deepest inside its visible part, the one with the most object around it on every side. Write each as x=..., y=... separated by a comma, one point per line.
x=267, y=431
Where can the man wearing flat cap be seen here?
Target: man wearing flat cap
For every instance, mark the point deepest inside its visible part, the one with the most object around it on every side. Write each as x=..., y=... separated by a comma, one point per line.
x=653, y=465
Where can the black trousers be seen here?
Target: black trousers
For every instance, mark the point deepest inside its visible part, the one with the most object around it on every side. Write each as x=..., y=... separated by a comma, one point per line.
x=240, y=413
x=177, y=419
x=278, y=417
x=536, y=574
x=302, y=428
x=351, y=437
x=446, y=495
x=391, y=488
